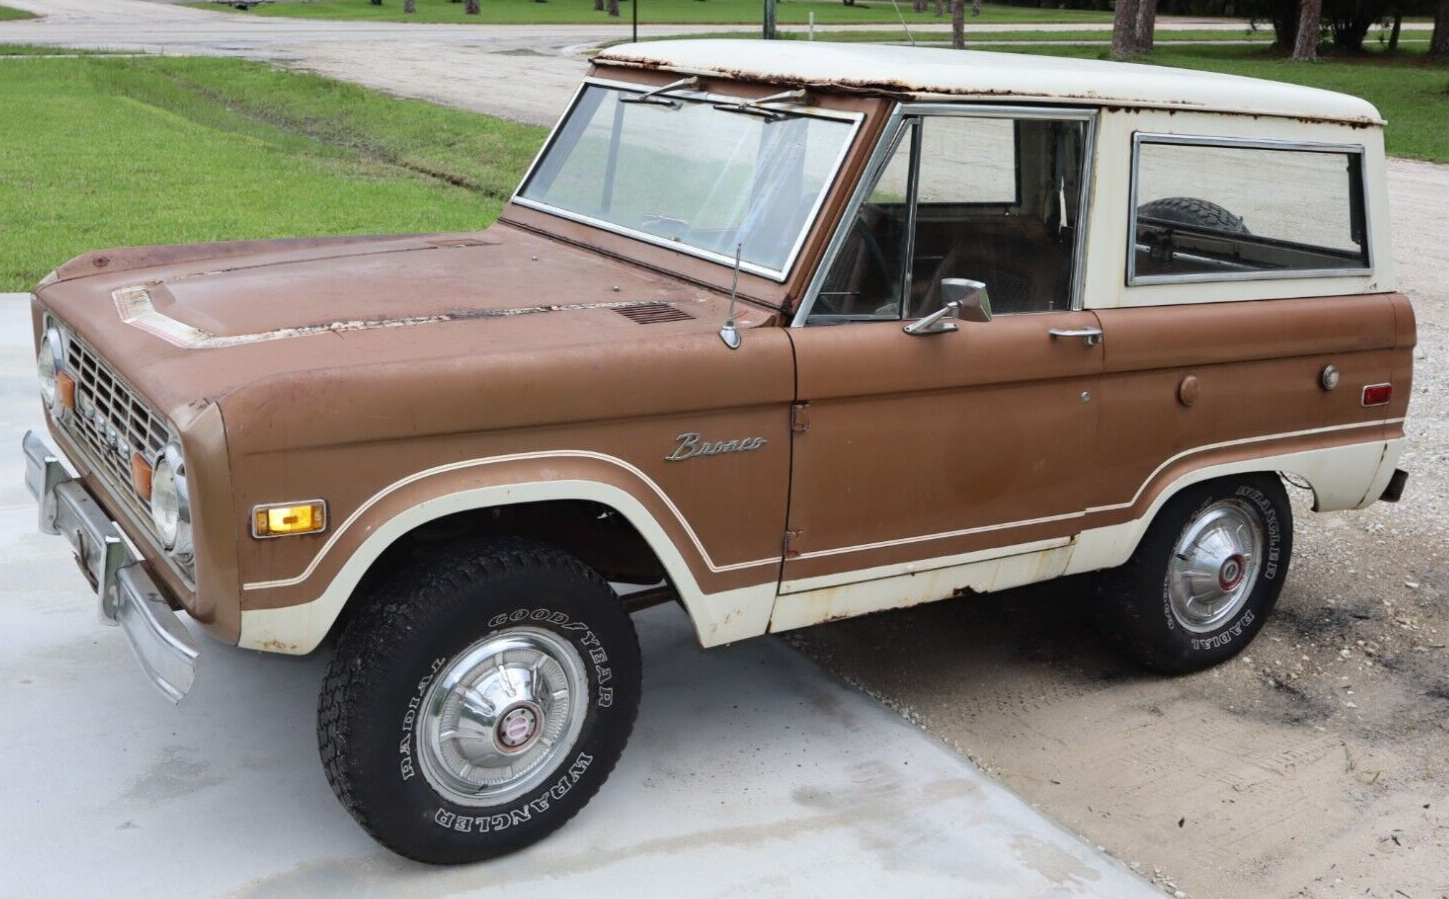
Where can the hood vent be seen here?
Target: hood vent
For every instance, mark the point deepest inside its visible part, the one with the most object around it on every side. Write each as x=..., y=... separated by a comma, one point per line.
x=654, y=313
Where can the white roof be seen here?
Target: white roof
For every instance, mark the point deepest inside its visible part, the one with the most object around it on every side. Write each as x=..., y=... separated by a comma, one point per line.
x=927, y=73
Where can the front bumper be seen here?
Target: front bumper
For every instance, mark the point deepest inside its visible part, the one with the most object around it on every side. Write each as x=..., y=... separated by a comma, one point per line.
x=126, y=594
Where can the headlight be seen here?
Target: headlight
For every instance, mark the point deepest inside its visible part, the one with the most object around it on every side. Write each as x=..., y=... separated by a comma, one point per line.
x=50, y=361
x=171, y=501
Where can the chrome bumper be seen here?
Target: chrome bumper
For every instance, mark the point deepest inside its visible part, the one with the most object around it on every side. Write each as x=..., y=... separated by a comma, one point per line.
x=125, y=592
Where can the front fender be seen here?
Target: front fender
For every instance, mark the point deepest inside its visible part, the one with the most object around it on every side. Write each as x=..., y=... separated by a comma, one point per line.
x=727, y=600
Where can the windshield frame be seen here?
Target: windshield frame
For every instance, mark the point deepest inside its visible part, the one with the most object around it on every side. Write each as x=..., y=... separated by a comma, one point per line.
x=854, y=119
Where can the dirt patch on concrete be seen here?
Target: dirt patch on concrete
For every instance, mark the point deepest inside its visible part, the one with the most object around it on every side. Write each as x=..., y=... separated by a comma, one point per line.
x=1314, y=765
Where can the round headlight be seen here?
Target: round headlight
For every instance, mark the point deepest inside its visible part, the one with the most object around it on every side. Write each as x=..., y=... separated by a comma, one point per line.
x=49, y=363
x=170, y=501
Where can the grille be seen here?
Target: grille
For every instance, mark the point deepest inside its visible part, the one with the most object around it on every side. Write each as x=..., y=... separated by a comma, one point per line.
x=111, y=422
x=651, y=313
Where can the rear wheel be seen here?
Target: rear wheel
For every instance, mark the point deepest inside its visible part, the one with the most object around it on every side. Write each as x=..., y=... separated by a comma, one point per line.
x=478, y=701
x=1205, y=576
x=1192, y=211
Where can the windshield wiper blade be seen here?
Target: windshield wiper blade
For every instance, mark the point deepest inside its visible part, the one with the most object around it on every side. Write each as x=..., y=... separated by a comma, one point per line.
x=653, y=97
x=756, y=107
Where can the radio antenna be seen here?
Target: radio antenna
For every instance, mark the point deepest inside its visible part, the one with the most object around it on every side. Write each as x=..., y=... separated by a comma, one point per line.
x=729, y=333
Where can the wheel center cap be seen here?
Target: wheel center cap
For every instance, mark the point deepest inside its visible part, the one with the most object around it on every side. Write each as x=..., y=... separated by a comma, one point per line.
x=517, y=728
x=1231, y=572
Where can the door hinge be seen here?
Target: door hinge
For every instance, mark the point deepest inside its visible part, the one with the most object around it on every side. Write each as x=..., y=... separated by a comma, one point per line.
x=799, y=418
x=793, y=538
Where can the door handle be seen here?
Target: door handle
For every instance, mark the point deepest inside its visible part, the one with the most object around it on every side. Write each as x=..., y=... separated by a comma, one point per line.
x=1090, y=336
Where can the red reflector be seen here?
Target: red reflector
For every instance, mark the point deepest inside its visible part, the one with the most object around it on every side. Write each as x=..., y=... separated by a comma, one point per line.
x=1378, y=394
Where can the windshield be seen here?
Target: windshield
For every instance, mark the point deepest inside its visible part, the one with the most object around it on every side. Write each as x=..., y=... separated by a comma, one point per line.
x=698, y=176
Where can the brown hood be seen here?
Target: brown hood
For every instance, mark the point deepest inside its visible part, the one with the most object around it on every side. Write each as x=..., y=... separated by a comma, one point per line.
x=185, y=324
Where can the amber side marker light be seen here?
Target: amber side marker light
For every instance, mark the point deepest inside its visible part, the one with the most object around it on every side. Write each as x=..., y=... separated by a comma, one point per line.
x=284, y=520
x=65, y=390
x=1378, y=394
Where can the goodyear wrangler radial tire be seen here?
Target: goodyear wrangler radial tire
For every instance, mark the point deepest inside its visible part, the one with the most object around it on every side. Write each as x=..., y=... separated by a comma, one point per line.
x=478, y=701
x=1205, y=576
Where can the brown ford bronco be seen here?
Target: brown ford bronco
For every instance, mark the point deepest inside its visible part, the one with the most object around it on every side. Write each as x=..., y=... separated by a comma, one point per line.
x=781, y=333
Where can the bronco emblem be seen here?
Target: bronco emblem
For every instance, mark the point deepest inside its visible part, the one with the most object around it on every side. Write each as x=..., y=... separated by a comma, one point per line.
x=690, y=445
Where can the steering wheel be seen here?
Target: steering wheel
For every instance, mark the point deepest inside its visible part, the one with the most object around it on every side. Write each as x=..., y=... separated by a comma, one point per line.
x=830, y=303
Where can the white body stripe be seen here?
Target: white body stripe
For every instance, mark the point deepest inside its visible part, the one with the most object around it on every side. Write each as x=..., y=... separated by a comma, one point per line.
x=1349, y=476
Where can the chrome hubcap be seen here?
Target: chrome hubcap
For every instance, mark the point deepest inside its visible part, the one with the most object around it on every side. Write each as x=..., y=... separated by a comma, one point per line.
x=500, y=716
x=1214, y=565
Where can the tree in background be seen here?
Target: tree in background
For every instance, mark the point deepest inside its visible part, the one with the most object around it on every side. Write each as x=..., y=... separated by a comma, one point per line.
x=598, y=5
x=410, y=6
x=1439, y=43
x=958, y=24
x=471, y=8
x=1132, y=25
x=918, y=5
x=614, y=8
x=1307, y=29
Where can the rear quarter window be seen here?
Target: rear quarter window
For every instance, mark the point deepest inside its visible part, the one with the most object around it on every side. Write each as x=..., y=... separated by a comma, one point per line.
x=1209, y=209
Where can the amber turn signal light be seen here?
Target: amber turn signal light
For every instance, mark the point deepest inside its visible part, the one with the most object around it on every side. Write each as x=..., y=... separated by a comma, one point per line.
x=292, y=518
x=141, y=476
x=1378, y=394
x=65, y=390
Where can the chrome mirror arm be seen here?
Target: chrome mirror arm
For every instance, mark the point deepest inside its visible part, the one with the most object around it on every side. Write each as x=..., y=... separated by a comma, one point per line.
x=935, y=323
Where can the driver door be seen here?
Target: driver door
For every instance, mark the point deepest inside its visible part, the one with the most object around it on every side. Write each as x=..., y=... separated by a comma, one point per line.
x=931, y=463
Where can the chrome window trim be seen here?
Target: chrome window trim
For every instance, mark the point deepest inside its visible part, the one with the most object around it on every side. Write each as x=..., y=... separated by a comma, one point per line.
x=902, y=118
x=1148, y=137
x=780, y=274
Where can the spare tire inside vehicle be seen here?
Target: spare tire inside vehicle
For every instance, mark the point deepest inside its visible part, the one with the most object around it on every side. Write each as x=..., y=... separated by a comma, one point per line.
x=1192, y=211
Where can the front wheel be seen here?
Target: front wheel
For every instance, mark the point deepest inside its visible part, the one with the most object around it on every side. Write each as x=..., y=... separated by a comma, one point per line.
x=479, y=701
x=1205, y=576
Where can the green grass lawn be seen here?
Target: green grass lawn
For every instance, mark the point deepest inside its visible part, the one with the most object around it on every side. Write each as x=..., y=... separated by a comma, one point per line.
x=8, y=13
x=520, y=12
x=1411, y=96
x=110, y=152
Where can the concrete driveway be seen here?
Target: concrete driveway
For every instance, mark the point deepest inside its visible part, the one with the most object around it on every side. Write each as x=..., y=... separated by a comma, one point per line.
x=750, y=770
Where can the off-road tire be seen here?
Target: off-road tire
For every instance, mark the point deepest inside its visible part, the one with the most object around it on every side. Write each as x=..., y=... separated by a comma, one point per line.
x=416, y=622
x=1192, y=211
x=1133, y=605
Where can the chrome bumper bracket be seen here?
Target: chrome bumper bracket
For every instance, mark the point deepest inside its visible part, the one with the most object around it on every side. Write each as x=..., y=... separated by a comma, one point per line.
x=126, y=594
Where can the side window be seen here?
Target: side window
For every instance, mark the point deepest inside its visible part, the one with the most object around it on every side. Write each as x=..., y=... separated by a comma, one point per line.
x=868, y=277
x=1209, y=212
x=992, y=199
x=999, y=203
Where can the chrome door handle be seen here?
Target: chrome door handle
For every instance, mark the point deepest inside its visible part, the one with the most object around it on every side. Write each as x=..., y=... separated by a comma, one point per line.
x=1091, y=336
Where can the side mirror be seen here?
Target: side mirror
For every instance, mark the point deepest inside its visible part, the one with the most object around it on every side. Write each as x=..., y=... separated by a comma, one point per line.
x=965, y=300
x=973, y=305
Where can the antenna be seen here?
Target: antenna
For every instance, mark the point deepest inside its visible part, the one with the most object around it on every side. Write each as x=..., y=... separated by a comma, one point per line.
x=904, y=27
x=729, y=333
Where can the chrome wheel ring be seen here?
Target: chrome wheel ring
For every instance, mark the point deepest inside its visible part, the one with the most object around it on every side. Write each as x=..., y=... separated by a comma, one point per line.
x=499, y=717
x=1215, y=565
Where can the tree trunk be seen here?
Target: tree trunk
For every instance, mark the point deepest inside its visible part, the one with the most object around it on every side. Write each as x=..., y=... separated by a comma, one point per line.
x=410, y=6
x=1397, y=27
x=1439, y=43
x=975, y=8
x=376, y=2
x=614, y=8
x=918, y=6
x=1144, y=25
x=958, y=24
x=940, y=8
x=1305, y=42
x=471, y=8
x=1124, y=28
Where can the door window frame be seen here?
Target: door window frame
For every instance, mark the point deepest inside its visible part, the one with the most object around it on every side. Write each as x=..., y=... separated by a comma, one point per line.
x=908, y=119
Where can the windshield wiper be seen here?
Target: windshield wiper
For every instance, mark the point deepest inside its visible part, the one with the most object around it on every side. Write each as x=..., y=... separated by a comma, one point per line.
x=756, y=107
x=653, y=97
